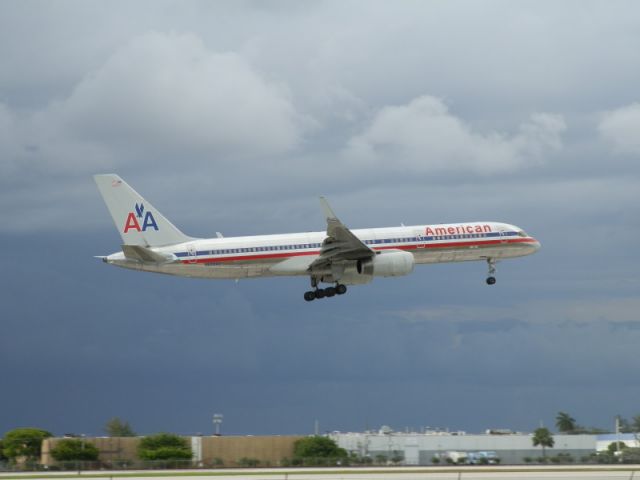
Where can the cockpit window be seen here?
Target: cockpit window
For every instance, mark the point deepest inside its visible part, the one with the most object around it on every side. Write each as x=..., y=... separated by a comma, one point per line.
x=522, y=233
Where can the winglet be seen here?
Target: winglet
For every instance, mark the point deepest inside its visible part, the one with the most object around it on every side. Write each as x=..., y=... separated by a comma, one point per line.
x=326, y=209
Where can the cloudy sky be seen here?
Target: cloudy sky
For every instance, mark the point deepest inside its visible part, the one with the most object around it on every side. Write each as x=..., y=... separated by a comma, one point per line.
x=234, y=117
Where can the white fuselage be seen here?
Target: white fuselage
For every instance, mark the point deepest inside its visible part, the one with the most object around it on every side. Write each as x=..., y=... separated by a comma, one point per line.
x=291, y=254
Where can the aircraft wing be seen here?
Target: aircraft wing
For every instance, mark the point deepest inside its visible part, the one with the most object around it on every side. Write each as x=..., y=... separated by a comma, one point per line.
x=340, y=243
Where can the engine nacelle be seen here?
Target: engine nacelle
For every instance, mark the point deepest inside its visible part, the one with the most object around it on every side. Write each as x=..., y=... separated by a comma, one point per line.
x=390, y=263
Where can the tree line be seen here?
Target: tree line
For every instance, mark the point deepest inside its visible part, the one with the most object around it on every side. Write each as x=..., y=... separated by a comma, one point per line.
x=24, y=445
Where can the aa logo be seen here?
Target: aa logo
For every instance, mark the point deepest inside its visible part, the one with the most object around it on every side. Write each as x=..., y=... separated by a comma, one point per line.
x=134, y=219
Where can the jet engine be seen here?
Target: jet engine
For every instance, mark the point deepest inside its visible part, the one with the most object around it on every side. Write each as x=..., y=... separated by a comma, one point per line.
x=389, y=263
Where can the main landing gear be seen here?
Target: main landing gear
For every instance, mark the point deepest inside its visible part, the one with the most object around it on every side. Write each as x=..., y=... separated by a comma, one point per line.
x=339, y=289
x=491, y=263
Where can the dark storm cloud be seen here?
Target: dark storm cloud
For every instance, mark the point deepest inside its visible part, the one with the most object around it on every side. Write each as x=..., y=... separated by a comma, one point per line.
x=154, y=344
x=234, y=116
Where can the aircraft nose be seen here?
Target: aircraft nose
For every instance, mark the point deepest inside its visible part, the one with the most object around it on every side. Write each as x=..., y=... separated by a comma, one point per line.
x=535, y=244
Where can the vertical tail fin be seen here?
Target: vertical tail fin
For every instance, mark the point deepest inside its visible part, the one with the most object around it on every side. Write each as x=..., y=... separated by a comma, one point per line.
x=138, y=222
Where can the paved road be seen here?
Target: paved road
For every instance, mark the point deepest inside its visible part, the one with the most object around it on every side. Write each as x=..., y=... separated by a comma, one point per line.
x=631, y=472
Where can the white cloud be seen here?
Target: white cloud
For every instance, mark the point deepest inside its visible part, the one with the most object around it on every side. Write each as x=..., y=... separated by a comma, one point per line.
x=160, y=95
x=424, y=136
x=621, y=127
x=169, y=92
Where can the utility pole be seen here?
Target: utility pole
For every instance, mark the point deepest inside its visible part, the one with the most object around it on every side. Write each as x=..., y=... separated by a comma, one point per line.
x=82, y=436
x=618, y=437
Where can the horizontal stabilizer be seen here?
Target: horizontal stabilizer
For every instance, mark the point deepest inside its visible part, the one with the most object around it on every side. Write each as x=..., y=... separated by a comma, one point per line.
x=145, y=255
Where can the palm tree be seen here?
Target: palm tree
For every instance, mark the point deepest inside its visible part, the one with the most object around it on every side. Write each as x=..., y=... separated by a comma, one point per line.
x=542, y=437
x=635, y=423
x=565, y=422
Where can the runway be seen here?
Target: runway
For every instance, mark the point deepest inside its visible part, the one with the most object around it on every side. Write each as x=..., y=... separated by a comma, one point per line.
x=627, y=472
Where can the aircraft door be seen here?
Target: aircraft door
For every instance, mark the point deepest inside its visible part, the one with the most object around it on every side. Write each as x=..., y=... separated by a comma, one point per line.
x=192, y=253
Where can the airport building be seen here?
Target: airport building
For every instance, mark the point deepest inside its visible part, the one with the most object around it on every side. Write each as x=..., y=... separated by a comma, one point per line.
x=511, y=448
x=384, y=446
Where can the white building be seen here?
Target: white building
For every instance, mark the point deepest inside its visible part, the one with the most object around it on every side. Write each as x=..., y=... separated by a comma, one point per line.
x=629, y=439
x=421, y=448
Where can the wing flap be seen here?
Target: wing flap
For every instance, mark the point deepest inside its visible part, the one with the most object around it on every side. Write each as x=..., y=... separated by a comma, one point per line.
x=340, y=244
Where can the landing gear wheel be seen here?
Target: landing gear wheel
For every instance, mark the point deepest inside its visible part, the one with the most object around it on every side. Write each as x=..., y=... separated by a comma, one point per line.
x=491, y=264
x=328, y=292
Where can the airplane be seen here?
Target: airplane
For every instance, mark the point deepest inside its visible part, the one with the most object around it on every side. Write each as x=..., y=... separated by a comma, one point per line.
x=338, y=256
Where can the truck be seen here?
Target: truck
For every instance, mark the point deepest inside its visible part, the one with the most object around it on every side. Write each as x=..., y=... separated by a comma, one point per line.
x=482, y=458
